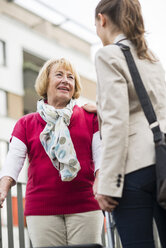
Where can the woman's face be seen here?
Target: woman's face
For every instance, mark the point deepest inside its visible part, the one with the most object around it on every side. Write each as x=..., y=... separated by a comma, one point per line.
x=61, y=86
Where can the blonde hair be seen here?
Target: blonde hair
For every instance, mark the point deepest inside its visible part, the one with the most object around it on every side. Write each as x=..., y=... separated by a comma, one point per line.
x=127, y=16
x=42, y=80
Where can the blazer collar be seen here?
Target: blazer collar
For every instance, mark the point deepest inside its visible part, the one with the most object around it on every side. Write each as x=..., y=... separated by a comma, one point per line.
x=119, y=38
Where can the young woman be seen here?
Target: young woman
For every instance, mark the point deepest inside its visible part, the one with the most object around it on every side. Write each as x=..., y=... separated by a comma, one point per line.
x=127, y=179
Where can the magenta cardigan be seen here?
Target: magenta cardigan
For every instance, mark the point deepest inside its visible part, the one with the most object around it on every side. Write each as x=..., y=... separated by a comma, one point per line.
x=46, y=194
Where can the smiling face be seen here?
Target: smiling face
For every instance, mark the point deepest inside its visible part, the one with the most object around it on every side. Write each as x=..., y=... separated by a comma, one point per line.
x=61, y=86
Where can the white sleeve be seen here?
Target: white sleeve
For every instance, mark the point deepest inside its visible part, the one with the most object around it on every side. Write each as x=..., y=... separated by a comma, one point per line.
x=96, y=150
x=15, y=159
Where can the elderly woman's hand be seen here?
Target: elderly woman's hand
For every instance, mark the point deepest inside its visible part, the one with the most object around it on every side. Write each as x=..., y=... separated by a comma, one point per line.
x=106, y=203
x=5, y=184
x=89, y=107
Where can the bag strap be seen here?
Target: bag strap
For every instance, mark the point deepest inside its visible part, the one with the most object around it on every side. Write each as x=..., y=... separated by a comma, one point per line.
x=142, y=93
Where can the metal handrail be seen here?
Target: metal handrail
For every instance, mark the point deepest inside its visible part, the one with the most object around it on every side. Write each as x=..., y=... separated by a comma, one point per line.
x=10, y=221
x=21, y=224
x=20, y=216
x=10, y=235
x=0, y=231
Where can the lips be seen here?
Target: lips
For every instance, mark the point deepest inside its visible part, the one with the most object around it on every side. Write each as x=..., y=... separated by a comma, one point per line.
x=63, y=88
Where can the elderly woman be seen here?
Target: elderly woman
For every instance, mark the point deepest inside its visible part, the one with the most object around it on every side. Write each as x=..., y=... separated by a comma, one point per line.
x=62, y=142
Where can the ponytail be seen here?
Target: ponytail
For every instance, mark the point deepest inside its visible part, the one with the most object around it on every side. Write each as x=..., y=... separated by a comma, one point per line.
x=127, y=16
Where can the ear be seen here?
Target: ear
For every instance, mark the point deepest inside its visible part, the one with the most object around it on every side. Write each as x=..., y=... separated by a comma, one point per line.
x=102, y=19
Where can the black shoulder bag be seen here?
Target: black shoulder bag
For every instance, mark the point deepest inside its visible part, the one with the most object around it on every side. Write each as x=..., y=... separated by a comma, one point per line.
x=158, y=136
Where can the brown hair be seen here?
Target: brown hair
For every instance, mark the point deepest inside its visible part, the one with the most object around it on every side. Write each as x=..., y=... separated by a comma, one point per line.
x=42, y=80
x=127, y=16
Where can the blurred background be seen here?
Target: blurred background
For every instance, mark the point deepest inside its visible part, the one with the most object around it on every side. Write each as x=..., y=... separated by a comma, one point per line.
x=32, y=31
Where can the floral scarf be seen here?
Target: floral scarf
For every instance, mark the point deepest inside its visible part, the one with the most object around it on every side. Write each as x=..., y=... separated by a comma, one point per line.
x=56, y=139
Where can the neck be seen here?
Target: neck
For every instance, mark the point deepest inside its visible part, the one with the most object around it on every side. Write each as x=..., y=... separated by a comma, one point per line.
x=111, y=31
x=57, y=104
x=110, y=38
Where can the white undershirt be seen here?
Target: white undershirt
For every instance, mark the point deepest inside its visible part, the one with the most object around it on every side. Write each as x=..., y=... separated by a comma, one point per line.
x=18, y=150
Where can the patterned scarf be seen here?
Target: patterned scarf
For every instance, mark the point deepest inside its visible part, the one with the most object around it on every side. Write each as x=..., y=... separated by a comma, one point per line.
x=56, y=139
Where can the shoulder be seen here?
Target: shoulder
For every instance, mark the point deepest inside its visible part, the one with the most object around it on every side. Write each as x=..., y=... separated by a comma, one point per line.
x=87, y=120
x=23, y=126
x=110, y=51
x=28, y=118
x=83, y=113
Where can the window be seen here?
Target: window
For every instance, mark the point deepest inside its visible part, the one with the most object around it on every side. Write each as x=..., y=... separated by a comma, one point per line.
x=2, y=53
x=3, y=103
x=32, y=64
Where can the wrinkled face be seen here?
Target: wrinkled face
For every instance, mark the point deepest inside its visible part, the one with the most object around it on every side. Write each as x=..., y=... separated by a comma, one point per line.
x=61, y=85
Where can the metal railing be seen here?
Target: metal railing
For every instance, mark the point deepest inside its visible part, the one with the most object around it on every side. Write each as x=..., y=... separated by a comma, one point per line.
x=21, y=226
x=10, y=226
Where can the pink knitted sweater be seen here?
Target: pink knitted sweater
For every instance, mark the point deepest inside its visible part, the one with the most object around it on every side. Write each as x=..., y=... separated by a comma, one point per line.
x=46, y=194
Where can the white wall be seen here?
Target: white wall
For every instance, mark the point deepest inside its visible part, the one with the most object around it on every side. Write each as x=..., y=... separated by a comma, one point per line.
x=7, y=125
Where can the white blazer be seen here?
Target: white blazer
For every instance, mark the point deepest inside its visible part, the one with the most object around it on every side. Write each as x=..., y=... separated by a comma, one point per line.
x=127, y=140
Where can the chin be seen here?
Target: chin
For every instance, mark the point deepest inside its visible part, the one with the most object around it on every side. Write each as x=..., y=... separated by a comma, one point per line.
x=66, y=98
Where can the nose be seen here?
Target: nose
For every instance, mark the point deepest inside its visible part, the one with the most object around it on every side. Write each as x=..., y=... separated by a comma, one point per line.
x=65, y=79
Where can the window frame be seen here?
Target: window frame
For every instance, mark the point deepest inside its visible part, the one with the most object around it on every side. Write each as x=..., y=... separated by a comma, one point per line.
x=3, y=53
x=6, y=103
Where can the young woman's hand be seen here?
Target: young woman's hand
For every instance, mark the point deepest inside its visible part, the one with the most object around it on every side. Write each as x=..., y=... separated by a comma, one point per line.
x=106, y=203
x=89, y=107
